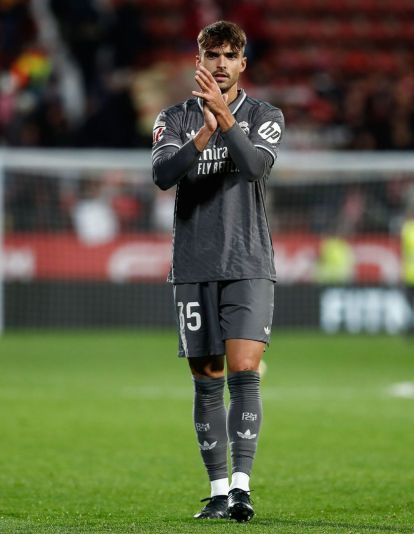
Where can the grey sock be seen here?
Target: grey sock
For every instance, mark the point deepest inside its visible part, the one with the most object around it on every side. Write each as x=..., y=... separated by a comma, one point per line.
x=210, y=424
x=244, y=418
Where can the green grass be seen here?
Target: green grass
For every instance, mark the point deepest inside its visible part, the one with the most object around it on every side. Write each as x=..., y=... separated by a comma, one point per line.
x=96, y=436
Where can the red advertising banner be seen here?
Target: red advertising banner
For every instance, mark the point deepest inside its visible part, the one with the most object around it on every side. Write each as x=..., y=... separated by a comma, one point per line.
x=147, y=257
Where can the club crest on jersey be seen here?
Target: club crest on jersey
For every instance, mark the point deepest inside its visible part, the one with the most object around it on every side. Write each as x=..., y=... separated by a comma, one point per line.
x=245, y=127
x=270, y=132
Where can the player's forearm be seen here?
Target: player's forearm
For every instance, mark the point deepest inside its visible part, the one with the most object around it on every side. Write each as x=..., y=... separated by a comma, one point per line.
x=168, y=168
x=202, y=138
x=251, y=161
x=225, y=119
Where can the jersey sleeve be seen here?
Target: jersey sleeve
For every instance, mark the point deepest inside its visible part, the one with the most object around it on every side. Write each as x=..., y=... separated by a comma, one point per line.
x=171, y=159
x=254, y=147
x=267, y=129
x=166, y=131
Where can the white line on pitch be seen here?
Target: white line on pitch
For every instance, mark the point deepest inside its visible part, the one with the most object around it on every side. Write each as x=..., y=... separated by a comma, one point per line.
x=404, y=390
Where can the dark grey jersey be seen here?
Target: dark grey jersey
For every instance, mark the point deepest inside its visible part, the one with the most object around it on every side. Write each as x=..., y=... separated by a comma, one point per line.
x=220, y=225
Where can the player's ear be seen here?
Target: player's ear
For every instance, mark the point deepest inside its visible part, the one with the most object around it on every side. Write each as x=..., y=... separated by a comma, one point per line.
x=243, y=64
x=198, y=61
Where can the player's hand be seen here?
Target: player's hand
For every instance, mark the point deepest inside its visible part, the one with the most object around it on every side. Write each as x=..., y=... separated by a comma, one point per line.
x=210, y=120
x=210, y=91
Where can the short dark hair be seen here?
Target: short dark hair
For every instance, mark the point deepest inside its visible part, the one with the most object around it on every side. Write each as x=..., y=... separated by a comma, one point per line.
x=220, y=32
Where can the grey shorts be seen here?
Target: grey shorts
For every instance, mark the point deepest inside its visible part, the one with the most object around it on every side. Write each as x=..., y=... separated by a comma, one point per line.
x=208, y=313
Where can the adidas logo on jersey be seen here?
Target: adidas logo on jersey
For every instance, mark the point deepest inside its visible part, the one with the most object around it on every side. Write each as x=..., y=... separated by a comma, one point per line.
x=267, y=330
x=246, y=435
x=191, y=135
x=206, y=446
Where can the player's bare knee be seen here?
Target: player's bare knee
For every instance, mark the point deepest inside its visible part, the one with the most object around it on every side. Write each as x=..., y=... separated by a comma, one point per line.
x=243, y=364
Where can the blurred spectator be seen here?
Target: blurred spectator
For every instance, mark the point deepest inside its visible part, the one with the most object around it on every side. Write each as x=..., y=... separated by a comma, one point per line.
x=93, y=217
x=16, y=30
x=83, y=27
x=163, y=212
x=336, y=261
x=33, y=203
x=407, y=257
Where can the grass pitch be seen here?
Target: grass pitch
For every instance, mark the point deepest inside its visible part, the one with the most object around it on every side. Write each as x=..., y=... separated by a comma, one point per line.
x=96, y=436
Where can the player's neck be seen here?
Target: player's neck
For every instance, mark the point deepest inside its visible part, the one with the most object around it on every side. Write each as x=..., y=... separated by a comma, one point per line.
x=232, y=93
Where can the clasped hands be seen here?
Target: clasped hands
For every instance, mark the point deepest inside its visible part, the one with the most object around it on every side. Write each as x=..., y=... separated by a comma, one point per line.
x=215, y=109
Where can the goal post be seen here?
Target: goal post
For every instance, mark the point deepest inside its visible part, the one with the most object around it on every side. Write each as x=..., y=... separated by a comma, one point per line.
x=85, y=240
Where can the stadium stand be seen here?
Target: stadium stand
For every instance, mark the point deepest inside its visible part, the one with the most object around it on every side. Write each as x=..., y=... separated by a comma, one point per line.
x=340, y=70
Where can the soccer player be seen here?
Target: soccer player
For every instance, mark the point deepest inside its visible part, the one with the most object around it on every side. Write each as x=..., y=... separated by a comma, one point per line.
x=218, y=149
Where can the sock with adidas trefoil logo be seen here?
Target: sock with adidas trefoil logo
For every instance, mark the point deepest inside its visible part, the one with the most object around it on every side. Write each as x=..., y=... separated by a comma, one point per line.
x=210, y=425
x=243, y=421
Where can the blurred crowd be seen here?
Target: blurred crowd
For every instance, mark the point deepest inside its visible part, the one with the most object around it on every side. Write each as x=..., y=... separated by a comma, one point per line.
x=94, y=73
x=372, y=207
x=98, y=206
x=101, y=206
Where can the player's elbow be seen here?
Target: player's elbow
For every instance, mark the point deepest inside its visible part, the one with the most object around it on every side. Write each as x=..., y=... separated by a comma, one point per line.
x=253, y=177
x=160, y=182
x=259, y=166
x=254, y=172
x=162, y=178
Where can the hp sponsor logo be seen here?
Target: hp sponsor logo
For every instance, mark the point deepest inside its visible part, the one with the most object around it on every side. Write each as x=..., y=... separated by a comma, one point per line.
x=270, y=132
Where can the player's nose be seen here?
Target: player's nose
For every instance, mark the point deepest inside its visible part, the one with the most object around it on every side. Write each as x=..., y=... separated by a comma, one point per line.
x=221, y=62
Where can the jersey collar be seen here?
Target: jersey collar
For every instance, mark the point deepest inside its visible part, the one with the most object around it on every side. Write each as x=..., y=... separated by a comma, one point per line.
x=234, y=106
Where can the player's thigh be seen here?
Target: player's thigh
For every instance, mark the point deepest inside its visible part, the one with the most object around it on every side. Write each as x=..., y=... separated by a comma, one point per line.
x=246, y=320
x=246, y=309
x=197, y=313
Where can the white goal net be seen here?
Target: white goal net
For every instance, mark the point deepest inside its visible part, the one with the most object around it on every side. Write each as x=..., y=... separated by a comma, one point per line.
x=86, y=237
